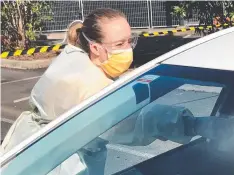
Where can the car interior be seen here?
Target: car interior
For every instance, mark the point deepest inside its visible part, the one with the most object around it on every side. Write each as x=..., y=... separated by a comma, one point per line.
x=202, y=156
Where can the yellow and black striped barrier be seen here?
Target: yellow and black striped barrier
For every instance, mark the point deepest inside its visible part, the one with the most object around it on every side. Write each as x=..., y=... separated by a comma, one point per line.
x=56, y=47
x=166, y=32
x=31, y=51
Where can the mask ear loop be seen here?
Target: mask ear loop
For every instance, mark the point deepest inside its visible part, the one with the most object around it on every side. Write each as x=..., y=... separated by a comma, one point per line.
x=69, y=25
x=91, y=41
x=135, y=40
x=87, y=39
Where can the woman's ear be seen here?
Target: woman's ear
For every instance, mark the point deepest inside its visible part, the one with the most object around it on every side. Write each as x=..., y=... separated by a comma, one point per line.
x=95, y=48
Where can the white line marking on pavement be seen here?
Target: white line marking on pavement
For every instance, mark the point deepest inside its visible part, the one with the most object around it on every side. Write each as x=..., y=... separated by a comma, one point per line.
x=7, y=120
x=187, y=36
x=130, y=151
x=21, y=99
x=200, y=88
x=25, y=79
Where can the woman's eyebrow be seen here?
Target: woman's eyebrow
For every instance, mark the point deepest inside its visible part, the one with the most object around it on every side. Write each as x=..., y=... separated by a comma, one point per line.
x=123, y=39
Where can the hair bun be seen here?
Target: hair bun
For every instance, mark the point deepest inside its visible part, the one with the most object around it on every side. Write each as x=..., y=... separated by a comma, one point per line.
x=78, y=30
x=73, y=32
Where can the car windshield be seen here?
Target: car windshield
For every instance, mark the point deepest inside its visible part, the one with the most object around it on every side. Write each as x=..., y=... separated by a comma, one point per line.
x=137, y=138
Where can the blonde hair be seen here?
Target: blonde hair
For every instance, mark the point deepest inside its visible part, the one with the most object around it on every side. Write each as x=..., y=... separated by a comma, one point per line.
x=72, y=37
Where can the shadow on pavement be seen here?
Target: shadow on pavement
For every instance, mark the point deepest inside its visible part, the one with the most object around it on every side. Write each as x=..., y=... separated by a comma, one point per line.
x=151, y=47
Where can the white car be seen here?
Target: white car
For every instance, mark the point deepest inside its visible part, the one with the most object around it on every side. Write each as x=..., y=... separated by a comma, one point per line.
x=196, y=78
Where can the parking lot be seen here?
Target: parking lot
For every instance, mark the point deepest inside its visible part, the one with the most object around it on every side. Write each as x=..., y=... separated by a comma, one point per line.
x=16, y=86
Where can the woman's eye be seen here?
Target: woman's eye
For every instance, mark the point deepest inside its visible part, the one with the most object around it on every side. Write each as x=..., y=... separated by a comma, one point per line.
x=120, y=44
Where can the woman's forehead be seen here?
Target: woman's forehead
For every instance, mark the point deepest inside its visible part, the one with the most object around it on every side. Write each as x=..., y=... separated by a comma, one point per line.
x=114, y=30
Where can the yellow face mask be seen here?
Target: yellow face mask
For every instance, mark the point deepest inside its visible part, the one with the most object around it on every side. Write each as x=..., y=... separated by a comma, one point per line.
x=118, y=62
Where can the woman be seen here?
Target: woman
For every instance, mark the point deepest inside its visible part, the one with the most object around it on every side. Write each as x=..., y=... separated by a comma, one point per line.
x=98, y=51
x=93, y=58
x=82, y=71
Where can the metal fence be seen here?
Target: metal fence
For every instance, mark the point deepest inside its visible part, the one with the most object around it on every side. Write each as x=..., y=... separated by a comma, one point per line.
x=137, y=12
x=63, y=13
x=158, y=13
x=140, y=13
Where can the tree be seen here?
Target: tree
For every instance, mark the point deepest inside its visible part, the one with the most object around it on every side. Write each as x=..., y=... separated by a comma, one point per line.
x=179, y=13
x=20, y=20
x=207, y=10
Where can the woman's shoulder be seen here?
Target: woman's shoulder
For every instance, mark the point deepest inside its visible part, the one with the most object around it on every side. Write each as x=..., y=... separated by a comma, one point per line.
x=71, y=49
x=72, y=52
x=70, y=58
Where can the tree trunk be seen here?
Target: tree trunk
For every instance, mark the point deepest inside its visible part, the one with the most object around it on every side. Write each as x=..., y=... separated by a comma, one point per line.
x=181, y=21
x=21, y=29
x=22, y=42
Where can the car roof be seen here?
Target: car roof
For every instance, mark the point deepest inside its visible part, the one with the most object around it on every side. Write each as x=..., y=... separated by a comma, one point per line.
x=215, y=51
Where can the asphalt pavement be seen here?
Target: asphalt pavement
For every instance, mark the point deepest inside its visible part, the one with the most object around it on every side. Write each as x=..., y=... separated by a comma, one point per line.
x=16, y=86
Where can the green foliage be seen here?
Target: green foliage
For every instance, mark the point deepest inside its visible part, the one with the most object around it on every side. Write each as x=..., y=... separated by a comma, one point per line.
x=208, y=11
x=179, y=12
x=20, y=20
x=232, y=16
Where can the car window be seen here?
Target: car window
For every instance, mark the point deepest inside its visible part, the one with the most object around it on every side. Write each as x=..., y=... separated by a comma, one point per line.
x=124, y=137
x=133, y=140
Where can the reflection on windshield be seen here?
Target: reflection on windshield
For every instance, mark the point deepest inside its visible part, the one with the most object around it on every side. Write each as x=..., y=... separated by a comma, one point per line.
x=154, y=129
